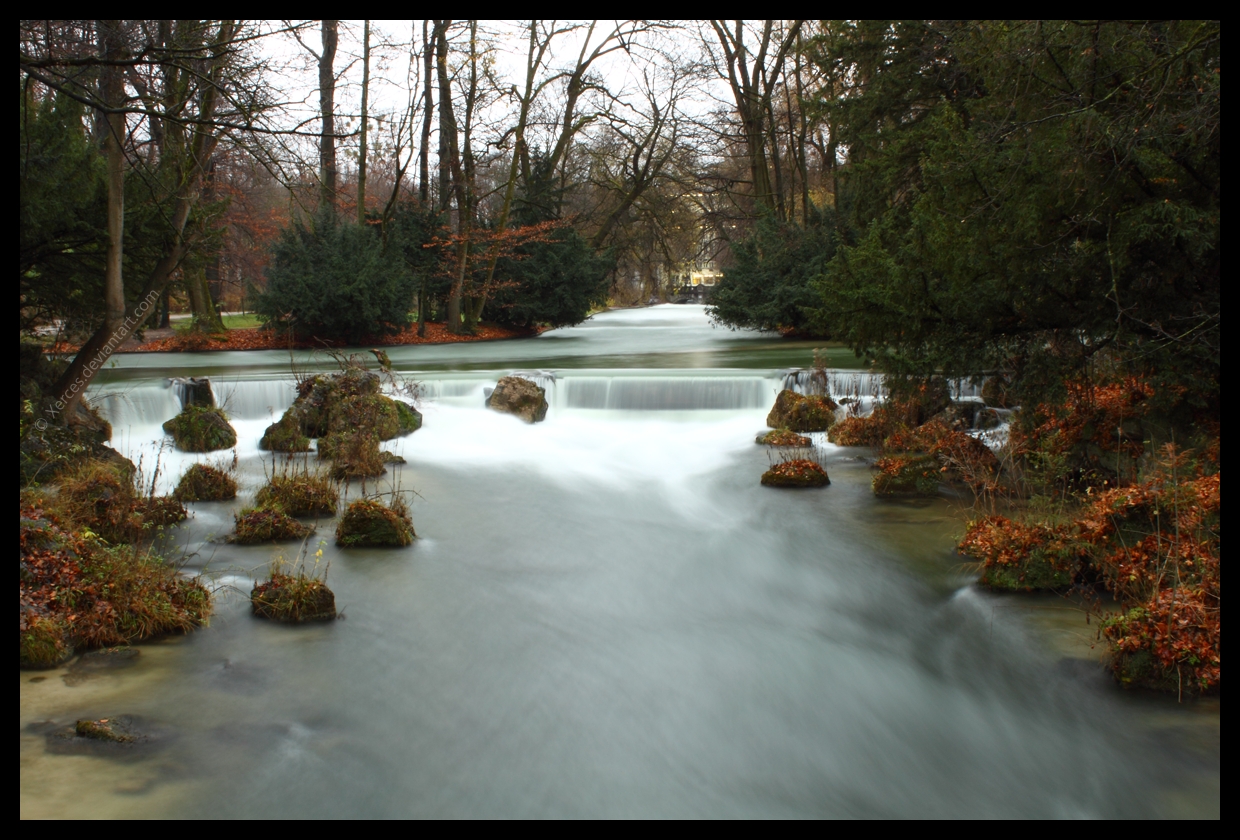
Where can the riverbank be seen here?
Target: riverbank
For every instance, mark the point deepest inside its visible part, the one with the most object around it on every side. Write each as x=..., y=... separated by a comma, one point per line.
x=258, y=338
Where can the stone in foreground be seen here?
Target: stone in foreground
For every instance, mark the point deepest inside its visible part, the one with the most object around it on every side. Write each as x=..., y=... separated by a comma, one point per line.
x=514, y=395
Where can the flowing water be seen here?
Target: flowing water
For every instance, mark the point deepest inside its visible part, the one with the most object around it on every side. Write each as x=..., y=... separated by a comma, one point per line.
x=605, y=615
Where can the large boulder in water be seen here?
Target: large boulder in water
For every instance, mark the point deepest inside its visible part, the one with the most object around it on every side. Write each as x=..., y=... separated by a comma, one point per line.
x=514, y=395
x=337, y=406
x=201, y=429
x=800, y=413
x=799, y=472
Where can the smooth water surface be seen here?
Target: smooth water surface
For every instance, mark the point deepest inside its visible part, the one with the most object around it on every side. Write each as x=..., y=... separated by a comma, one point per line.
x=606, y=615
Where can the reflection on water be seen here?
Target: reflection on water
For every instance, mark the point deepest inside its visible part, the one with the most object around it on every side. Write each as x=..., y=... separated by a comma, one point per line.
x=605, y=615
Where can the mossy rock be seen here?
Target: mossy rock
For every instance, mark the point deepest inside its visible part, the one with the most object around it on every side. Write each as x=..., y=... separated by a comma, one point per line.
x=367, y=522
x=202, y=483
x=284, y=435
x=293, y=599
x=1037, y=573
x=201, y=429
x=261, y=526
x=796, y=473
x=782, y=437
x=353, y=455
x=299, y=495
x=106, y=729
x=801, y=413
x=907, y=474
x=46, y=451
x=43, y=644
x=410, y=419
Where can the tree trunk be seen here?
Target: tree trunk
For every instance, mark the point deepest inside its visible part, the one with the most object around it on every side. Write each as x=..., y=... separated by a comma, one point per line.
x=424, y=187
x=206, y=316
x=327, y=108
x=361, y=154
x=114, y=95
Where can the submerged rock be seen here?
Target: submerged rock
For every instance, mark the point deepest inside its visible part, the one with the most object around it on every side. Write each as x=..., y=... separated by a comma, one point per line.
x=800, y=413
x=201, y=429
x=514, y=395
x=800, y=472
x=114, y=730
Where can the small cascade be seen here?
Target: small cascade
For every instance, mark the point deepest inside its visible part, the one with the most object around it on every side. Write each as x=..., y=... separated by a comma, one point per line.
x=544, y=379
x=193, y=390
x=660, y=393
x=256, y=399
x=839, y=384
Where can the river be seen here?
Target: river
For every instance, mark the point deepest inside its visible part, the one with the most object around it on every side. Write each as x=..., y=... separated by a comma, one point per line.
x=606, y=615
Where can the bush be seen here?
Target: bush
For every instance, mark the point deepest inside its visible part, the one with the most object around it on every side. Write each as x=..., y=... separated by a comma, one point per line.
x=333, y=280
x=43, y=644
x=307, y=494
x=552, y=283
x=78, y=593
x=906, y=474
x=202, y=483
x=293, y=599
x=200, y=428
x=367, y=522
x=260, y=526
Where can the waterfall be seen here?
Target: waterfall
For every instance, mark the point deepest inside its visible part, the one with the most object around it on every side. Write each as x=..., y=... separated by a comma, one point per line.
x=858, y=384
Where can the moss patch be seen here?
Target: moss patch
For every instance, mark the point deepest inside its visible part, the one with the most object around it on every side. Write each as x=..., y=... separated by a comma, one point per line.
x=800, y=472
x=293, y=599
x=299, y=495
x=1037, y=572
x=201, y=429
x=260, y=526
x=284, y=436
x=860, y=431
x=202, y=483
x=367, y=522
x=353, y=455
x=783, y=437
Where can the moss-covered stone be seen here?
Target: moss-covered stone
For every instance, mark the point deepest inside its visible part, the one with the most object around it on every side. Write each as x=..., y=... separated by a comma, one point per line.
x=307, y=494
x=800, y=472
x=907, y=474
x=801, y=413
x=201, y=429
x=285, y=435
x=782, y=437
x=353, y=455
x=1038, y=572
x=260, y=526
x=43, y=644
x=367, y=522
x=293, y=599
x=203, y=483
x=520, y=397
